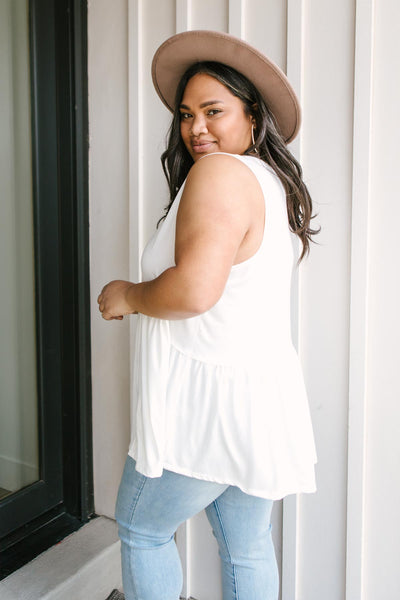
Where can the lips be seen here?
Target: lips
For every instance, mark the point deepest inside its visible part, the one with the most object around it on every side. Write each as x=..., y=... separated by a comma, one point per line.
x=202, y=146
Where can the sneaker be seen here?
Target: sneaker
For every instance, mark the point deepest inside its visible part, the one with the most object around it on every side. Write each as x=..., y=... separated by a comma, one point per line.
x=116, y=595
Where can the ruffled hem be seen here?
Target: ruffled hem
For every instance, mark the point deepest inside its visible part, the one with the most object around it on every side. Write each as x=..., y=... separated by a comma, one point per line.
x=275, y=494
x=224, y=424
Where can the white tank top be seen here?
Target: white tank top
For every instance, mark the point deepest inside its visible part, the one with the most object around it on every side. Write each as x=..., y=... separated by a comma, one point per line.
x=221, y=396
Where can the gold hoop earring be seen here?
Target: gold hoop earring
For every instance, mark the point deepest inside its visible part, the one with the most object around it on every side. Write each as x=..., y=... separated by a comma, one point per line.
x=252, y=138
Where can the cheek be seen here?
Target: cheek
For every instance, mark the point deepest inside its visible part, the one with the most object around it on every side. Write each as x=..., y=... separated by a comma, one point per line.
x=246, y=131
x=236, y=127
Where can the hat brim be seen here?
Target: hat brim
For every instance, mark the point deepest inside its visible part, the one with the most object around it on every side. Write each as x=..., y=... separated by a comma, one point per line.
x=182, y=50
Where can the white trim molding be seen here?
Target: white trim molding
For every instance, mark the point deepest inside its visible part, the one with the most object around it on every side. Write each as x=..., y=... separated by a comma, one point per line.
x=135, y=153
x=291, y=504
x=236, y=18
x=357, y=417
x=135, y=112
x=183, y=15
x=184, y=545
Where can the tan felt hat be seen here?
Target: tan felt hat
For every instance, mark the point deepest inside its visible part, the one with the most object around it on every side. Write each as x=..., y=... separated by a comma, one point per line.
x=180, y=51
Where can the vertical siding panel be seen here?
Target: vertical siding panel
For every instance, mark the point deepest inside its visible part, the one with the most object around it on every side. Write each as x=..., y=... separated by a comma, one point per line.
x=266, y=22
x=382, y=483
x=327, y=159
x=159, y=22
x=208, y=14
x=109, y=239
x=236, y=18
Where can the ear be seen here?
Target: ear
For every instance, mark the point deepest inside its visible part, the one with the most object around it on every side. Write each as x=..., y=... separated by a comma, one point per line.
x=254, y=110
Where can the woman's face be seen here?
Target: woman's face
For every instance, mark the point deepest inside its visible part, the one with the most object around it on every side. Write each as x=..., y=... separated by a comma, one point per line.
x=213, y=119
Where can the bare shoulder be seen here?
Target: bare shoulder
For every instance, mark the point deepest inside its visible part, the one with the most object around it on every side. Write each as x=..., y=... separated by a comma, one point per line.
x=219, y=181
x=221, y=211
x=223, y=170
x=222, y=189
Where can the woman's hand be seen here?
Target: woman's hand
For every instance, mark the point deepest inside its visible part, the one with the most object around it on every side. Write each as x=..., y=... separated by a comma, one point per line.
x=113, y=300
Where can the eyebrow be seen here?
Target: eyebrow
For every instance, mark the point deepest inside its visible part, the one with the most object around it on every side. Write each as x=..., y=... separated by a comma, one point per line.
x=203, y=104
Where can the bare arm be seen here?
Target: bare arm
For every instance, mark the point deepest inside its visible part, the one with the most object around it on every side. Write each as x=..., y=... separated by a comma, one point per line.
x=217, y=210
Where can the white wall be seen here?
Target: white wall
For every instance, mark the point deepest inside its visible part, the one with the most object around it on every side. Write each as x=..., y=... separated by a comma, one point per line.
x=343, y=541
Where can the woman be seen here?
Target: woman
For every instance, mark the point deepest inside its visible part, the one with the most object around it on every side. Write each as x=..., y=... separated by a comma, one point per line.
x=220, y=417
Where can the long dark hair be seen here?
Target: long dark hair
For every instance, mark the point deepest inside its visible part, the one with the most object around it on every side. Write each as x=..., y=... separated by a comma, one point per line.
x=269, y=145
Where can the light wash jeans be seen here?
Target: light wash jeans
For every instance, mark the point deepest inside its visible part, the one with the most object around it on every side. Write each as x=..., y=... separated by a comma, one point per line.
x=149, y=511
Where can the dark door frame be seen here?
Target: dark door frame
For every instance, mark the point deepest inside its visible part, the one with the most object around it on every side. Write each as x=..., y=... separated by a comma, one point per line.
x=61, y=501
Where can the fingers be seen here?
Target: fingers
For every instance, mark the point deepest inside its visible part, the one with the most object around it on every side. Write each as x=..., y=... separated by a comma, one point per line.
x=106, y=316
x=102, y=308
x=100, y=295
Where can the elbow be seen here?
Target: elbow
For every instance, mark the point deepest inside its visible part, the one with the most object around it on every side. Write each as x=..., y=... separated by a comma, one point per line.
x=196, y=309
x=198, y=302
x=196, y=292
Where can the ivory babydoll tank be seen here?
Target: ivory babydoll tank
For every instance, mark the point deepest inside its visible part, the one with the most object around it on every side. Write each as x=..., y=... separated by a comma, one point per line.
x=220, y=396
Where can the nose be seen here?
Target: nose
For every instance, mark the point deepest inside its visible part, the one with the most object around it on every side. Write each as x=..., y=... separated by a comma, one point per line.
x=198, y=125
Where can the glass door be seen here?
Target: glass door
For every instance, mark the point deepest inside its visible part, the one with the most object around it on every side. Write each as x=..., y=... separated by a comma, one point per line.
x=30, y=342
x=19, y=454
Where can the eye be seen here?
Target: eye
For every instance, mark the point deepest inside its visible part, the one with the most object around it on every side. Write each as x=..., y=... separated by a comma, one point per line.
x=213, y=111
x=185, y=115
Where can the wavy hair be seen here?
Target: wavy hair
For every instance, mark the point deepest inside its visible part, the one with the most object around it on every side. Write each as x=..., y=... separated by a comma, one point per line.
x=269, y=146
